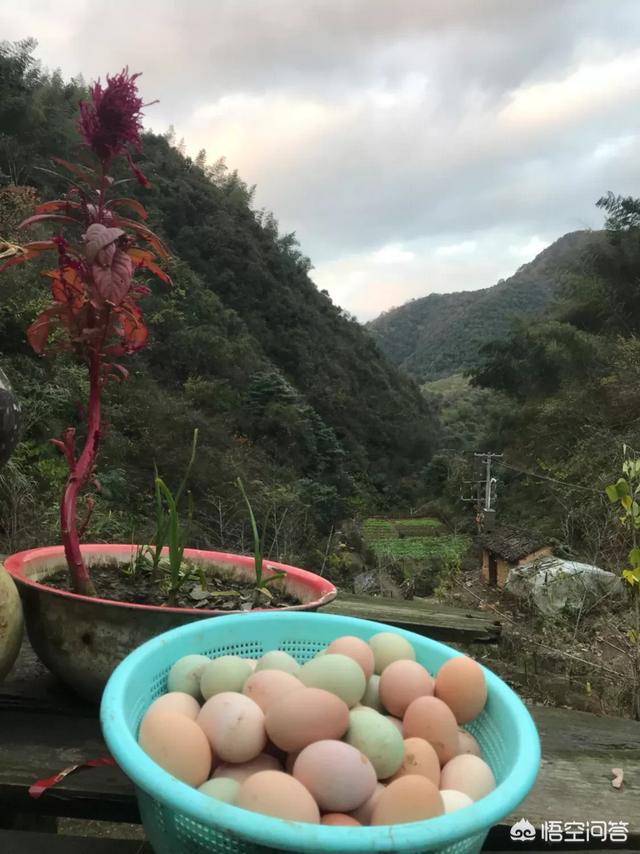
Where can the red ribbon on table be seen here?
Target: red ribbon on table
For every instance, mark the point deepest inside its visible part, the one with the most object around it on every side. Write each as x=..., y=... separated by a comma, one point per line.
x=40, y=786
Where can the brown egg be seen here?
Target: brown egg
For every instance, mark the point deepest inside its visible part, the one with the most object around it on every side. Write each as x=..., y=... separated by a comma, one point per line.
x=363, y=813
x=460, y=683
x=401, y=683
x=419, y=758
x=265, y=686
x=339, y=819
x=433, y=720
x=279, y=795
x=234, y=725
x=304, y=716
x=176, y=701
x=411, y=798
x=467, y=743
x=178, y=745
x=244, y=770
x=468, y=774
x=339, y=777
x=356, y=649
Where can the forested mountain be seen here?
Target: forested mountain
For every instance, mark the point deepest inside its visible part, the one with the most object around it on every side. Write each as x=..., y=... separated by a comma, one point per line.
x=559, y=398
x=441, y=334
x=286, y=390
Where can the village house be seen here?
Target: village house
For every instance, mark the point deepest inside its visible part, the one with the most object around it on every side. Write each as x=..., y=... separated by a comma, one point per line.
x=505, y=548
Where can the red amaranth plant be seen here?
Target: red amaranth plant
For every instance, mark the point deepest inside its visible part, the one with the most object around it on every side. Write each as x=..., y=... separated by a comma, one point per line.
x=95, y=313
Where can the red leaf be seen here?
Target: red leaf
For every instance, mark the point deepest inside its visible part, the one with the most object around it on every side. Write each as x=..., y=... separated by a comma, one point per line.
x=38, y=332
x=134, y=332
x=31, y=249
x=79, y=171
x=121, y=369
x=68, y=288
x=145, y=233
x=128, y=203
x=40, y=217
x=113, y=283
x=145, y=259
x=56, y=205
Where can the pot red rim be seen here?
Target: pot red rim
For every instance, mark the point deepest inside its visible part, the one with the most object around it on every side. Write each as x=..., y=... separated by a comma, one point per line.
x=14, y=564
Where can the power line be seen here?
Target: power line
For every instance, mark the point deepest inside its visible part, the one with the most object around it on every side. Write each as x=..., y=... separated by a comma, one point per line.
x=551, y=479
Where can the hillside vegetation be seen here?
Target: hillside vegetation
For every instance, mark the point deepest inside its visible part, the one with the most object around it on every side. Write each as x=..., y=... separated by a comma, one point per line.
x=286, y=390
x=441, y=334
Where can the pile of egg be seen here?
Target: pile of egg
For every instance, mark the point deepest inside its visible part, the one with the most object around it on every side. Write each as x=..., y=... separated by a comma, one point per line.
x=359, y=735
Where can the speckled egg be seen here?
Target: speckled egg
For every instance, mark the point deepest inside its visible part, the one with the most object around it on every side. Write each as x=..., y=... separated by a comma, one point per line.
x=467, y=743
x=431, y=719
x=419, y=758
x=379, y=740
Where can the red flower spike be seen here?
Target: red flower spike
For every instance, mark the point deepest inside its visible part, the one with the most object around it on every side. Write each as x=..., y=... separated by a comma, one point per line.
x=111, y=122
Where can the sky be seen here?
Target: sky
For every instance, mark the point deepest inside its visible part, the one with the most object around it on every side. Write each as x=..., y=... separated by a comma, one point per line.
x=413, y=146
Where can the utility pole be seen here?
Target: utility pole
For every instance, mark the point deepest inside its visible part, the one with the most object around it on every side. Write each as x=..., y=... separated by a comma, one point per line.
x=486, y=492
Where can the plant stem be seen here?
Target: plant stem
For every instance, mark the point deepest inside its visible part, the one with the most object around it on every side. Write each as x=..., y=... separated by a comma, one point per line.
x=79, y=474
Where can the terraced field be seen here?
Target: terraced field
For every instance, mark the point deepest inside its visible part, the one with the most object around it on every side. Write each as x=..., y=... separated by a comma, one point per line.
x=449, y=547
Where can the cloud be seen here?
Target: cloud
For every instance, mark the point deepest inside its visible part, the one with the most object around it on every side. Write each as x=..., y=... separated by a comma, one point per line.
x=412, y=146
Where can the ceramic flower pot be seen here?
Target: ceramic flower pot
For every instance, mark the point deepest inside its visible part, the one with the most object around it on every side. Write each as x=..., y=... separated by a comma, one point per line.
x=81, y=639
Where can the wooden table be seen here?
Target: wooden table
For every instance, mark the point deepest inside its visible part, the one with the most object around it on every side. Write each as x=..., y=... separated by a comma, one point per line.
x=422, y=616
x=43, y=730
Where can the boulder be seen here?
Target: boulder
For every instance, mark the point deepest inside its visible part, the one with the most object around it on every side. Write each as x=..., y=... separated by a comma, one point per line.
x=554, y=585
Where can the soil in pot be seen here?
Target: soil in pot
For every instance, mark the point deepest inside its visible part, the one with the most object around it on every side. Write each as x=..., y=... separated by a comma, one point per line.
x=223, y=591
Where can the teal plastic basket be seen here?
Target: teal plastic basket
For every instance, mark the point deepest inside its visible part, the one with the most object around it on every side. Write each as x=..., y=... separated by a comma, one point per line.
x=180, y=820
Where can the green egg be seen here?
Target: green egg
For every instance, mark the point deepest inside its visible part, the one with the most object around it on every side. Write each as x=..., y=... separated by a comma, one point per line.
x=278, y=660
x=336, y=673
x=379, y=740
x=227, y=673
x=185, y=674
x=389, y=647
x=372, y=697
x=222, y=788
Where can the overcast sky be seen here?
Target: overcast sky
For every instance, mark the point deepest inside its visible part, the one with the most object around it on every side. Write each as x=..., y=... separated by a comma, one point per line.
x=412, y=145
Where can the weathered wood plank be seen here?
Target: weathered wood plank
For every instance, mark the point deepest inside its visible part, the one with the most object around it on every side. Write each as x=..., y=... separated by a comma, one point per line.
x=23, y=842
x=574, y=784
x=423, y=616
x=578, y=752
